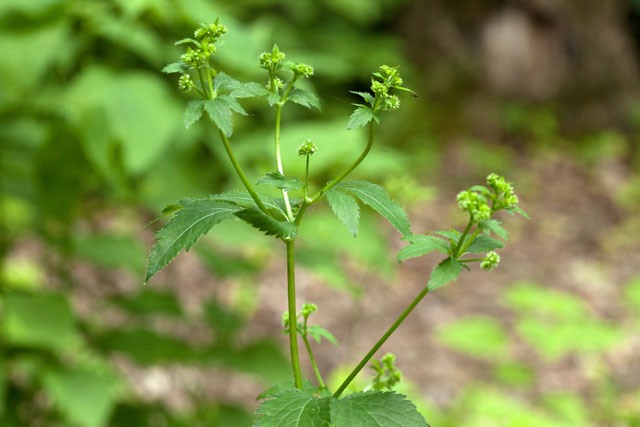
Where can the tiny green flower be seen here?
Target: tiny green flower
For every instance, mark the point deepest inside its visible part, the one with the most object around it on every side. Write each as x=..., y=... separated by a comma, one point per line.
x=302, y=70
x=307, y=148
x=391, y=102
x=271, y=61
x=475, y=204
x=309, y=308
x=185, y=83
x=491, y=261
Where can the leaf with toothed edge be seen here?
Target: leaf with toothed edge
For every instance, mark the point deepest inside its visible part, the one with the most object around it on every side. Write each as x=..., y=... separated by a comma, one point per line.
x=193, y=111
x=192, y=221
x=271, y=227
x=345, y=207
x=375, y=408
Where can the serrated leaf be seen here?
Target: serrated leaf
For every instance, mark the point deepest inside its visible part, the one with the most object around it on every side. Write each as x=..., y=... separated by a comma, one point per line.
x=193, y=111
x=190, y=223
x=273, y=98
x=220, y=109
x=223, y=81
x=520, y=211
x=170, y=208
x=493, y=225
x=287, y=385
x=244, y=200
x=258, y=219
x=276, y=179
x=445, y=272
x=317, y=332
x=377, y=198
x=304, y=97
x=376, y=408
x=360, y=117
x=421, y=245
x=345, y=207
x=484, y=244
x=248, y=90
x=176, y=67
x=366, y=95
x=294, y=408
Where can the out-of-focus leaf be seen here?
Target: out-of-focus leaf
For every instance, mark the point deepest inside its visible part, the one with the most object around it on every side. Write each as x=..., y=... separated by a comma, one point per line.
x=317, y=332
x=477, y=336
x=39, y=321
x=85, y=398
x=150, y=301
x=222, y=320
x=146, y=347
x=111, y=251
x=263, y=358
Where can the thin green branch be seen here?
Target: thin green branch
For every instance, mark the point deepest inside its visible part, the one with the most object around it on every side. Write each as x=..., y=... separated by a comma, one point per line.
x=466, y=245
x=241, y=175
x=285, y=196
x=381, y=341
x=291, y=298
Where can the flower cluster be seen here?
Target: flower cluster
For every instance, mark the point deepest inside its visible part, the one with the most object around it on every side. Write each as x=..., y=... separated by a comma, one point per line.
x=203, y=46
x=490, y=261
x=308, y=308
x=307, y=148
x=212, y=31
x=502, y=188
x=387, y=373
x=475, y=204
x=301, y=70
x=272, y=61
x=391, y=79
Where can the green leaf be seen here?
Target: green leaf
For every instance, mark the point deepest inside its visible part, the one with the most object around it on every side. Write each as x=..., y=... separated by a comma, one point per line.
x=366, y=95
x=484, y=244
x=317, y=332
x=170, y=208
x=477, y=336
x=287, y=385
x=493, y=225
x=276, y=179
x=220, y=113
x=345, y=207
x=176, y=67
x=38, y=321
x=271, y=227
x=360, y=117
x=294, y=408
x=421, y=245
x=244, y=200
x=273, y=98
x=193, y=111
x=445, y=272
x=85, y=398
x=304, y=97
x=249, y=90
x=376, y=408
x=448, y=234
x=377, y=198
x=480, y=189
x=190, y=223
x=520, y=211
x=225, y=82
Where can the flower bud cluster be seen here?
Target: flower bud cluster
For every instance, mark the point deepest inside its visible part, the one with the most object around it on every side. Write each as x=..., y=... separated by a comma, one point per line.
x=272, y=61
x=301, y=70
x=308, y=308
x=307, y=148
x=387, y=373
x=205, y=38
x=475, y=204
x=196, y=58
x=390, y=80
x=212, y=31
x=490, y=261
x=501, y=187
x=185, y=83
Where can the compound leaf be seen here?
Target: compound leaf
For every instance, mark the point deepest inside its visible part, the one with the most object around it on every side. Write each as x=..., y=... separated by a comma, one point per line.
x=445, y=272
x=271, y=227
x=345, y=207
x=294, y=408
x=420, y=245
x=377, y=198
x=189, y=224
x=305, y=98
x=193, y=112
x=276, y=179
x=360, y=117
x=376, y=408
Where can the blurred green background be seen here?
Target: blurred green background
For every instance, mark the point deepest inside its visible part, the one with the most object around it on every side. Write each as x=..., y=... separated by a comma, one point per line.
x=92, y=147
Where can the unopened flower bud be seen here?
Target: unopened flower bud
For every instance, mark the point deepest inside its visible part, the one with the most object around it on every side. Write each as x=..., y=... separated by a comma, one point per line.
x=309, y=308
x=491, y=261
x=307, y=148
x=302, y=70
x=185, y=83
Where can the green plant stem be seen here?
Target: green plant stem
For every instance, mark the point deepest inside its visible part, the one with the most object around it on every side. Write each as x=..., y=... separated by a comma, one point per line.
x=306, y=178
x=313, y=362
x=208, y=95
x=355, y=164
x=210, y=80
x=472, y=260
x=241, y=175
x=456, y=250
x=466, y=245
x=291, y=298
x=285, y=196
x=381, y=341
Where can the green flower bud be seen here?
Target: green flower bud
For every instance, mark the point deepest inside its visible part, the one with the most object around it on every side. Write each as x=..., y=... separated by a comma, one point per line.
x=491, y=261
x=391, y=102
x=285, y=319
x=307, y=148
x=391, y=75
x=379, y=88
x=309, y=308
x=302, y=70
x=475, y=204
x=277, y=83
x=271, y=61
x=185, y=83
x=194, y=58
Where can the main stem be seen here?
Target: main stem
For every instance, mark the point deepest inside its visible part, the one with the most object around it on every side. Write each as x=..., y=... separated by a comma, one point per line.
x=241, y=175
x=291, y=298
x=381, y=341
x=285, y=196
